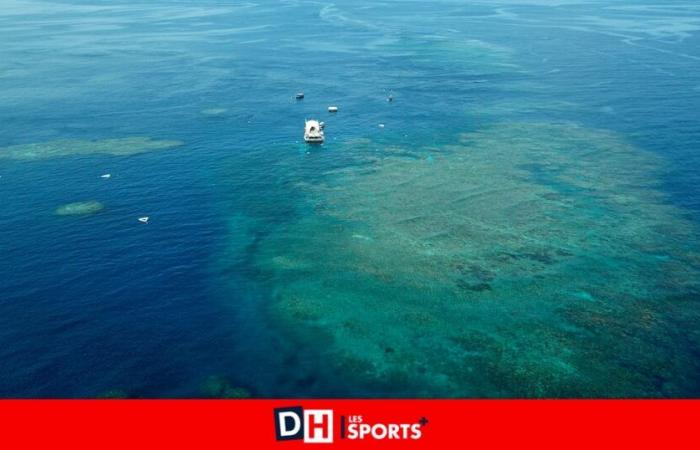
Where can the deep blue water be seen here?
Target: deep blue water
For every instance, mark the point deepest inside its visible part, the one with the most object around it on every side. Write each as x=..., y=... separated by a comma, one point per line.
x=102, y=302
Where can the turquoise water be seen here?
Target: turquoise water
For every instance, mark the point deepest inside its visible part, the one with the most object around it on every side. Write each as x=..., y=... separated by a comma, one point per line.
x=525, y=223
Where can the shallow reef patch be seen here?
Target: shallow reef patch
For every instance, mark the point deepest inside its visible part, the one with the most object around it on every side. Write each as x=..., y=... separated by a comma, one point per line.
x=214, y=112
x=220, y=387
x=70, y=147
x=520, y=261
x=79, y=208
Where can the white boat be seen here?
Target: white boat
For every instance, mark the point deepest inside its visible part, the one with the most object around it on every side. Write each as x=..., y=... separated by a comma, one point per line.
x=332, y=109
x=144, y=219
x=313, y=132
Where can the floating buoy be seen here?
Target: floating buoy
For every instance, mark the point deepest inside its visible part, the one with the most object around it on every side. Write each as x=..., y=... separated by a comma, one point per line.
x=332, y=109
x=299, y=95
x=390, y=98
x=107, y=175
x=143, y=219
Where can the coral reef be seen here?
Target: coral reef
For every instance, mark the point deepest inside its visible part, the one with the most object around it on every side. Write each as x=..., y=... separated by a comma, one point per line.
x=68, y=147
x=220, y=387
x=527, y=259
x=214, y=112
x=80, y=208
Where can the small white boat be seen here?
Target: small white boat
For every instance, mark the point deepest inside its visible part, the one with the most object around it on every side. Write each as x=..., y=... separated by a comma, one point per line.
x=107, y=175
x=313, y=132
x=332, y=109
x=299, y=95
x=144, y=219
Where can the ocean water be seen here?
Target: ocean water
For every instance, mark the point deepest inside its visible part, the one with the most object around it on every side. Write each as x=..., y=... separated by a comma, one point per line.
x=524, y=224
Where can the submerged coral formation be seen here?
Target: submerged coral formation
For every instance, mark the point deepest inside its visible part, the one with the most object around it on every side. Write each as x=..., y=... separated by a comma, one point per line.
x=68, y=147
x=219, y=387
x=528, y=259
x=214, y=111
x=113, y=394
x=80, y=208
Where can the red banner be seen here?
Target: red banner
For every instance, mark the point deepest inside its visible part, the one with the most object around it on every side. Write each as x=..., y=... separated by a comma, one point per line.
x=294, y=424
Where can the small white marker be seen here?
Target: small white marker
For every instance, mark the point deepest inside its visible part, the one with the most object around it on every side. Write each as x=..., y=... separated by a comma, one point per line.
x=107, y=175
x=143, y=219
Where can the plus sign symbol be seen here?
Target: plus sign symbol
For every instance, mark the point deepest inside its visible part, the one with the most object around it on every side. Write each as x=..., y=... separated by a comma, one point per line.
x=423, y=421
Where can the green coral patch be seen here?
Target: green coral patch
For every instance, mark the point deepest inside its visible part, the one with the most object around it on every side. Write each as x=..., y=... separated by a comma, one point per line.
x=219, y=387
x=521, y=261
x=79, y=208
x=69, y=147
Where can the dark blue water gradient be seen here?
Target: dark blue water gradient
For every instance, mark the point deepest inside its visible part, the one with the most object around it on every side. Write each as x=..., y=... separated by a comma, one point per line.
x=100, y=303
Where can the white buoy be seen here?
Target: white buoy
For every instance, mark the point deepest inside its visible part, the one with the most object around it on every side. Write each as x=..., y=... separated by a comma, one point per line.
x=332, y=109
x=107, y=175
x=143, y=219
